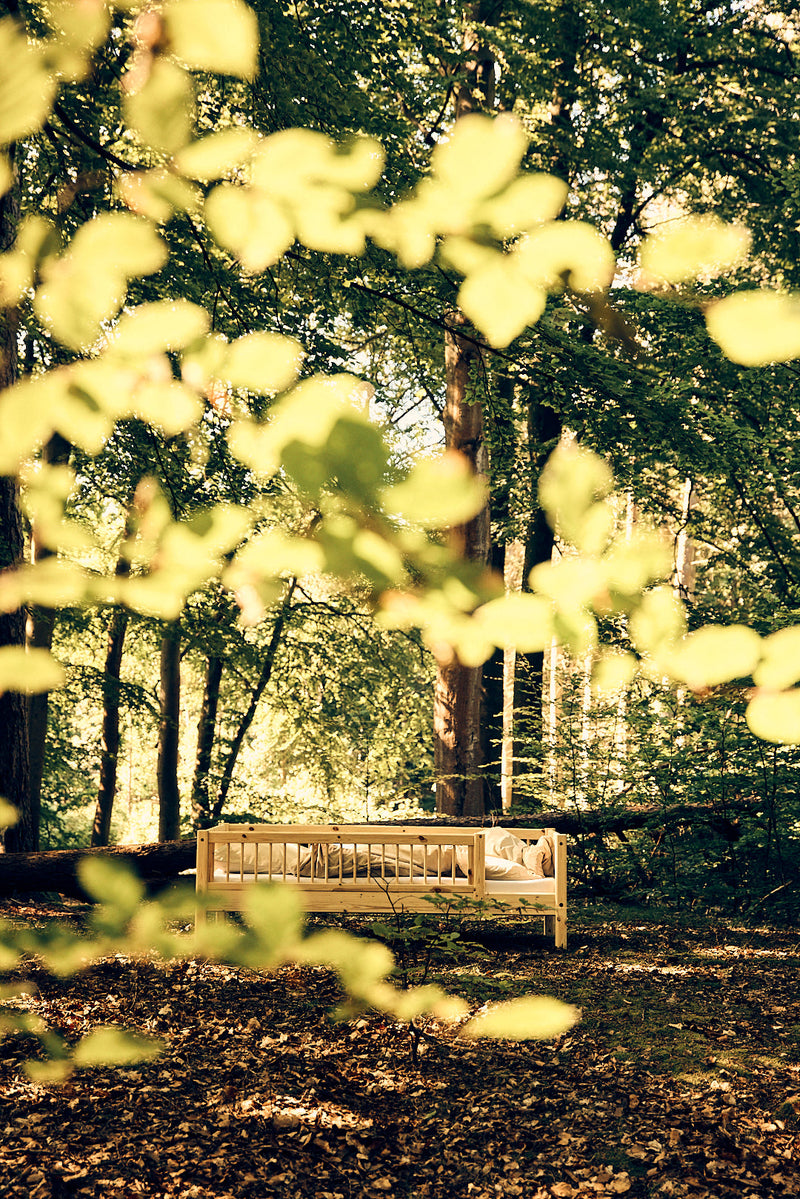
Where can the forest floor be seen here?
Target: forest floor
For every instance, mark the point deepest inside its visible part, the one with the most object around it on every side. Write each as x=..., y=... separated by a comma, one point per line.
x=682, y=1079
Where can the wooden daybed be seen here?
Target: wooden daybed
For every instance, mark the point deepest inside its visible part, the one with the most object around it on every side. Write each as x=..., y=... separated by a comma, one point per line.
x=364, y=868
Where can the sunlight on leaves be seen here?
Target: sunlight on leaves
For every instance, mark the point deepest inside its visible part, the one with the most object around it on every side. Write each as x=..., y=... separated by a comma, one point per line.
x=613, y=672
x=500, y=301
x=250, y=224
x=532, y=1017
x=566, y=252
x=262, y=362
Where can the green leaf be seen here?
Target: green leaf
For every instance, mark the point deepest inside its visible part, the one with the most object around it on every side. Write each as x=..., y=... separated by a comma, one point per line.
x=28, y=671
x=27, y=90
x=6, y=175
x=171, y=406
x=698, y=246
x=715, y=654
x=161, y=111
x=113, y=884
x=526, y=202
x=159, y=326
x=775, y=716
x=657, y=622
x=276, y=915
x=250, y=224
x=110, y=1046
x=52, y=583
x=613, y=672
x=158, y=194
x=214, y=156
x=437, y=493
x=214, y=35
x=754, y=328
x=80, y=28
x=532, y=1017
x=780, y=663
x=8, y=814
x=519, y=620
x=569, y=488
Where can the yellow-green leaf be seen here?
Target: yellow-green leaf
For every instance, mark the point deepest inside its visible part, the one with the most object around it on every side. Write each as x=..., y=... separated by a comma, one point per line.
x=698, y=246
x=161, y=325
x=250, y=224
x=157, y=194
x=262, y=362
x=500, y=301
x=6, y=175
x=657, y=622
x=715, y=654
x=28, y=671
x=26, y=88
x=110, y=882
x=570, y=486
x=566, y=252
x=754, y=328
x=526, y=202
x=213, y=156
x=8, y=814
x=775, y=716
x=161, y=110
x=780, y=664
x=613, y=672
x=481, y=155
x=214, y=35
x=110, y=1046
x=519, y=620
x=438, y=493
x=532, y=1017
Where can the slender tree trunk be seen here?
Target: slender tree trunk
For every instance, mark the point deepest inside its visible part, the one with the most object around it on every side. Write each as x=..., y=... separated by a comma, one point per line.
x=169, y=800
x=255, y=698
x=40, y=629
x=109, y=735
x=14, y=742
x=201, y=797
x=457, y=700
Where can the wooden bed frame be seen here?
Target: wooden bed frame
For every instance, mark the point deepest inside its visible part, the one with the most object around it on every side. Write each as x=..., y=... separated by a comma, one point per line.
x=354, y=868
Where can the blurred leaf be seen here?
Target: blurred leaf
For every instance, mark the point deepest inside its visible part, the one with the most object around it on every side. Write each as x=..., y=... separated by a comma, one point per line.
x=111, y=882
x=500, y=301
x=171, y=406
x=613, y=672
x=496, y=143
x=572, y=482
x=53, y=583
x=214, y=35
x=6, y=175
x=528, y=201
x=276, y=914
x=780, y=663
x=79, y=28
x=633, y=564
x=715, y=654
x=262, y=362
x=698, y=246
x=28, y=671
x=437, y=493
x=519, y=620
x=532, y=1017
x=756, y=327
x=217, y=154
x=250, y=224
x=775, y=716
x=657, y=622
x=570, y=252
x=110, y=1046
x=8, y=814
x=158, y=326
x=27, y=89
x=161, y=110
x=157, y=194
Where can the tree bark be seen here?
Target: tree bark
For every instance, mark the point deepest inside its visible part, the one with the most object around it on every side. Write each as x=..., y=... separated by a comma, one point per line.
x=14, y=737
x=201, y=796
x=156, y=864
x=457, y=704
x=109, y=734
x=169, y=799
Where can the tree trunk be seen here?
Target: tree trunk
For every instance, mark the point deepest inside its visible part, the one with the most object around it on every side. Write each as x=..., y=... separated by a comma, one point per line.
x=40, y=629
x=157, y=865
x=169, y=800
x=109, y=735
x=457, y=700
x=201, y=797
x=14, y=742
x=255, y=698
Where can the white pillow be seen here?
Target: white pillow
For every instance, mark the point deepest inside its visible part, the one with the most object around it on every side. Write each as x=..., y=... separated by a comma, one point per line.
x=500, y=843
x=539, y=858
x=297, y=862
x=498, y=868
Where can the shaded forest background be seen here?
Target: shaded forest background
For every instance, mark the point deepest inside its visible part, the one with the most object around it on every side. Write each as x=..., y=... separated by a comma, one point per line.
x=310, y=710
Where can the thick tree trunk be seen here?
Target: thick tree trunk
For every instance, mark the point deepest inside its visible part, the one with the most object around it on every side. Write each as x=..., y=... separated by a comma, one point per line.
x=201, y=796
x=109, y=734
x=169, y=799
x=14, y=742
x=157, y=865
x=457, y=704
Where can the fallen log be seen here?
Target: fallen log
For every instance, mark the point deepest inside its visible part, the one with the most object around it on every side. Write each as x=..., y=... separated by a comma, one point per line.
x=157, y=865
